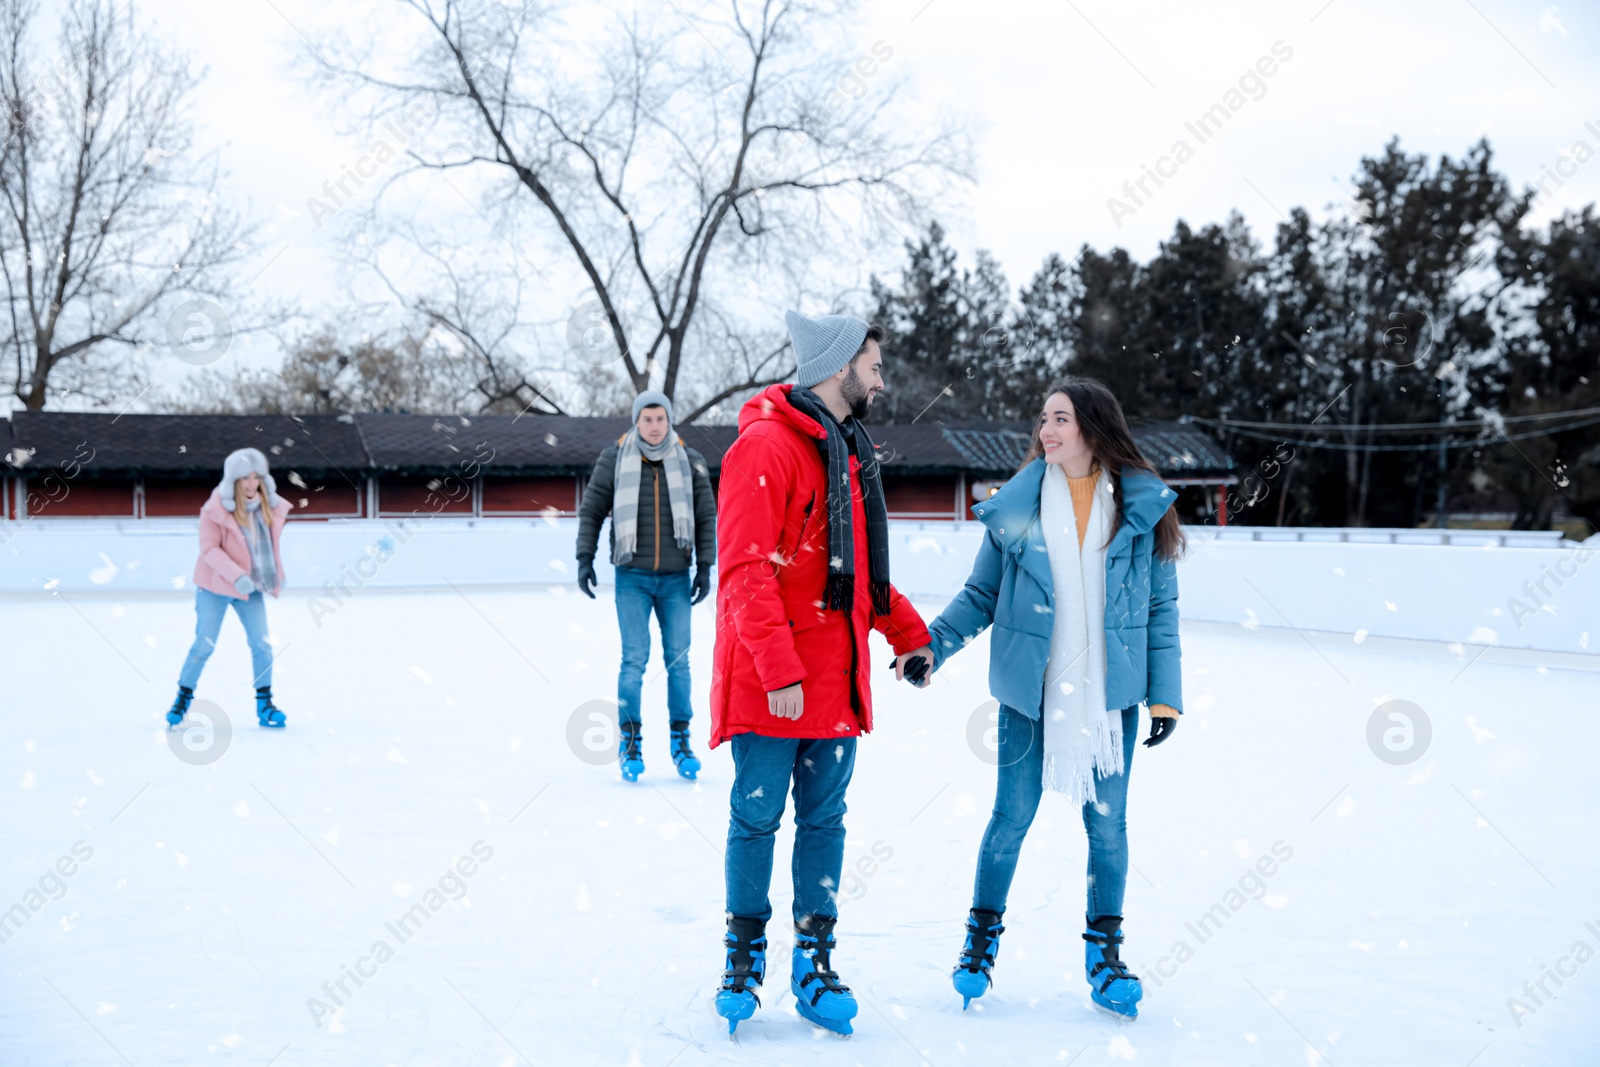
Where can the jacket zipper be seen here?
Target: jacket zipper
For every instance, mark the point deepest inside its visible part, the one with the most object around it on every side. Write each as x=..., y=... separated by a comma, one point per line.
x=655, y=490
x=805, y=521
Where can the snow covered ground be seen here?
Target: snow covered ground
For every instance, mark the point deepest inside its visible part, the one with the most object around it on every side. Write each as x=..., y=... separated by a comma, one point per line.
x=578, y=921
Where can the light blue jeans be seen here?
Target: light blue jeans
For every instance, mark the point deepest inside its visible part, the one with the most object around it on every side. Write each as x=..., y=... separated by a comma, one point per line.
x=209, y=608
x=1016, y=799
x=667, y=594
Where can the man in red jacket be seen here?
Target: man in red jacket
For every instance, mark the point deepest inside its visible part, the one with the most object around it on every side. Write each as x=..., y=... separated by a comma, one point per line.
x=803, y=555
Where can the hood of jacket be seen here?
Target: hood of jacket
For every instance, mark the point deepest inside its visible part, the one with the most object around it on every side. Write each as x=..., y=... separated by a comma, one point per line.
x=1014, y=508
x=772, y=405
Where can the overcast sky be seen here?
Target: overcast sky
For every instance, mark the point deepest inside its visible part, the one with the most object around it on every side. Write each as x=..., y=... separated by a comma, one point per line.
x=1067, y=100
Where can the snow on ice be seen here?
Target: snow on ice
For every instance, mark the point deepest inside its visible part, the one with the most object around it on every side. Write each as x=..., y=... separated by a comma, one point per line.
x=421, y=870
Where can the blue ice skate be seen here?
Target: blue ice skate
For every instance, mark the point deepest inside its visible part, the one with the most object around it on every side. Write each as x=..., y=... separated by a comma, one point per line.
x=683, y=756
x=746, y=941
x=1111, y=984
x=180, y=706
x=972, y=976
x=629, y=757
x=267, y=713
x=819, y=996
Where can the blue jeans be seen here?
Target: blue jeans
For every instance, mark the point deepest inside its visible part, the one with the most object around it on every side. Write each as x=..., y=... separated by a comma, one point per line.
x=1016, y=798
x=209, y=608
x=762, y=770
x=638, y=592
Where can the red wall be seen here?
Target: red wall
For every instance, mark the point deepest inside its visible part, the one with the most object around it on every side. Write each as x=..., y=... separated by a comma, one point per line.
x=438, y=495
x=325, y=498
x=54, y=496
x=176, y=496
x=529, y=496
x=933, y=496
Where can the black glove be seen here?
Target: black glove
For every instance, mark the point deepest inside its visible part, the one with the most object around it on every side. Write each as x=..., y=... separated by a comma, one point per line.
x=916, y=670
x=1160, y=729
x=701, y=587
x=586, y=579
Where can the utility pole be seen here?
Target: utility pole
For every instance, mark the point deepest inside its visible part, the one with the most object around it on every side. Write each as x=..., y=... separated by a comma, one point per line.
x=1444, y=467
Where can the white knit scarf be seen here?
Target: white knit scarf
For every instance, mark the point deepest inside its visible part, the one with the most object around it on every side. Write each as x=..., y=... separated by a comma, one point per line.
x=1081, y=737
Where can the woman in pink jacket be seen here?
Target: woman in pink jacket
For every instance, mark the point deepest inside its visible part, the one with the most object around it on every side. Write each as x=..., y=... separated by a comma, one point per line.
x=239, y=562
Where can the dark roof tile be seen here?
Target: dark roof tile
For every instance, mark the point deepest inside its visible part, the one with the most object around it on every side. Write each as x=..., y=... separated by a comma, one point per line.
x=195, y=445
x=180, y=444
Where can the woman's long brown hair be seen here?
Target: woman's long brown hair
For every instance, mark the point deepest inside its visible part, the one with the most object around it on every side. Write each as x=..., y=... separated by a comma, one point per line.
x=1105, y=431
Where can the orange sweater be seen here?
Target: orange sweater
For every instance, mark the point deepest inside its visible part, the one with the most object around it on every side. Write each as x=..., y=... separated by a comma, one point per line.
x=1082, y=490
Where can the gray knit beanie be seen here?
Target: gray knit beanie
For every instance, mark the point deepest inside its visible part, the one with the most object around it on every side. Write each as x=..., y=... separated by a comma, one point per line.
x=651, y=398
x=823, y=346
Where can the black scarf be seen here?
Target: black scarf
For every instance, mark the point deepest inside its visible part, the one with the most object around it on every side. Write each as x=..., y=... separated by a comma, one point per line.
x=835, y=449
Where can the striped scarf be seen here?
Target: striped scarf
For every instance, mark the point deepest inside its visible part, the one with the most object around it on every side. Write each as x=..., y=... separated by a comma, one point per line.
x=263, y=565
x=674, y=457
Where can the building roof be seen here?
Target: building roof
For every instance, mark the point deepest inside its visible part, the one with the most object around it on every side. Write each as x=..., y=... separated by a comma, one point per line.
x=177, y=444
x=1176, y=449
x=1181, y=448
x=195, y=445
x=999, y=449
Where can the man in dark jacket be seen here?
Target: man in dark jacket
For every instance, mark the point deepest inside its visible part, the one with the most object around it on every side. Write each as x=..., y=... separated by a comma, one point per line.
x=657, y=491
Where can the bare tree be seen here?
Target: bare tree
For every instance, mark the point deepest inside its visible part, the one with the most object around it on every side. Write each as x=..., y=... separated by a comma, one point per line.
x=108, y=220
x=698, y=172
x=324, y=373
x=475, y=317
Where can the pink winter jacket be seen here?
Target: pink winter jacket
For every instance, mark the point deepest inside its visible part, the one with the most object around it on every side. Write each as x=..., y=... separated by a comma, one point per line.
x=224, y=552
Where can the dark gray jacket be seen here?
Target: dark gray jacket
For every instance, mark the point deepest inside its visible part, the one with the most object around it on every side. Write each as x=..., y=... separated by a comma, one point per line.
x=657, y=550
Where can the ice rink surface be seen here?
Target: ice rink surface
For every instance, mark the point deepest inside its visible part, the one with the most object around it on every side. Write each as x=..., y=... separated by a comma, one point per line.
x=432, y=768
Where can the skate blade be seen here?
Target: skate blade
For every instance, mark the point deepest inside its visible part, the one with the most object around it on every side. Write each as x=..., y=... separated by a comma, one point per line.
x=968, y=998
x=738, y=1013
x=1131, y=1013
x=841, y=1027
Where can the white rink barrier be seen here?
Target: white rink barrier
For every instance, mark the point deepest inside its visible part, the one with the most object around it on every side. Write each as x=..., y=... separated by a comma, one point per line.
x=1545, y=598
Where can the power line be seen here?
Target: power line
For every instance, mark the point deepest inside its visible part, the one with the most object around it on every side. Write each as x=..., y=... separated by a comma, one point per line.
x=1394, y=427
x=1432, y=446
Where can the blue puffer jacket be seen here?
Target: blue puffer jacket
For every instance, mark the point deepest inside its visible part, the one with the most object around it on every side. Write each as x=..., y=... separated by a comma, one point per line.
x=1011, y=588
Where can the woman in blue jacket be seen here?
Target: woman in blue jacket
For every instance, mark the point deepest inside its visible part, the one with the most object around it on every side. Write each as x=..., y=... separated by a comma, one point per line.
x=1078, y=577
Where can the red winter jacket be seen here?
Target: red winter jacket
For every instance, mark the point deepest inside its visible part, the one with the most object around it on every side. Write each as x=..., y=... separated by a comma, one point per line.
x=772, y=564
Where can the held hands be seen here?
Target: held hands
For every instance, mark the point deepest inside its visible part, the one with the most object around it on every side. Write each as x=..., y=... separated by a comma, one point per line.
x=915, y=666
x=1161, y=727
x=787, y=703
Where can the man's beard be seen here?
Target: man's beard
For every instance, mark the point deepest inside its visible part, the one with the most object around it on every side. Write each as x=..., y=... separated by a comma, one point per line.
x=856, y=394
